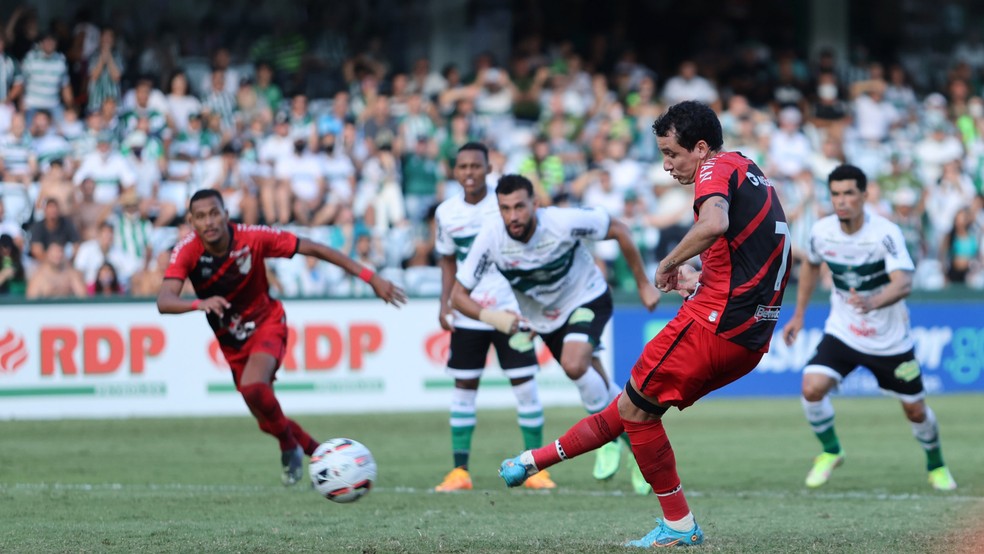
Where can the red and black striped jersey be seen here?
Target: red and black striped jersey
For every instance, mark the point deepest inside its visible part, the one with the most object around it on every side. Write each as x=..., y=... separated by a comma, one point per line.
x=239, y=277
x=746, y=270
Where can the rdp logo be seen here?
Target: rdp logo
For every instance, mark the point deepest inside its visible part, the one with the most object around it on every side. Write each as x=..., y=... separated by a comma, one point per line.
x=13, y=353
x=101, y=350
x=320, y=347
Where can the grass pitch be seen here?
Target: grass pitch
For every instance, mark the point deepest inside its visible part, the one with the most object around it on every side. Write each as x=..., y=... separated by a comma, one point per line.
x=212, y=485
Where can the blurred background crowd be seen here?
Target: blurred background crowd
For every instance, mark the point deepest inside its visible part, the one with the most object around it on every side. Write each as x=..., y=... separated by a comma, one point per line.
x=315, y=125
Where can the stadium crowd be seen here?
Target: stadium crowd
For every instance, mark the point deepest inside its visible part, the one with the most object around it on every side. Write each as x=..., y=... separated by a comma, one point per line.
x=103, y=141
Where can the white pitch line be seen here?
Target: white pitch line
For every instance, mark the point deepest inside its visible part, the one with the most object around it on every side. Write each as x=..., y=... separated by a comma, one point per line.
x=252, y=489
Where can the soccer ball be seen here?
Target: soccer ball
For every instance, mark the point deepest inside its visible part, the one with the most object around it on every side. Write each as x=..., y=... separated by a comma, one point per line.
x=342, y=470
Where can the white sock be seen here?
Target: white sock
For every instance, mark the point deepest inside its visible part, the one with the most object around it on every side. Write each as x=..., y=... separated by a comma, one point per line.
x=682, y=525
x=820, y=415
x=594, y=391
x=529, y=409
x=927, y=432
x=463, y=407
x=613, y=391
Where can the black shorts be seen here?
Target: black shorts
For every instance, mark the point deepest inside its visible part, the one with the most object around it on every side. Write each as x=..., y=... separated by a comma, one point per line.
x=470, y=351
x=898, y=373
x=585, y=324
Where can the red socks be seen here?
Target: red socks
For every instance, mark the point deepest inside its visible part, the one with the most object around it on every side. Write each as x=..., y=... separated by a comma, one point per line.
x=655, y=457
x=261, y=401
x=588, y=434
x=307, y=442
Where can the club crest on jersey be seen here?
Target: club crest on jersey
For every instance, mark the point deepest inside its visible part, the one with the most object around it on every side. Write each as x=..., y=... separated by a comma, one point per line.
x=240, y=329
x=244, y=259
x=851, y=278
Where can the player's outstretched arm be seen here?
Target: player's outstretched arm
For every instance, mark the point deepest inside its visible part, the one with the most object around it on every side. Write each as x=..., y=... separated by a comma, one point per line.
x=712, y=222
x=647, y=291
x=169, y=300
x=504, y=321
x=384, y=289
x=809, y=275
x=899, y=286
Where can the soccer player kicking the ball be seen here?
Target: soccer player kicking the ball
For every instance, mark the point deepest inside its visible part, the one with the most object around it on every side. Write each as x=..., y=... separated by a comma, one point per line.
x=562, y=294
x=868, y=323
x=722, y=329
x=226, y=266
x=459, y=219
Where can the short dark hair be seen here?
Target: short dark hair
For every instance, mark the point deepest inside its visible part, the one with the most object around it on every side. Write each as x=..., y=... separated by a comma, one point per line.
x=478, y=146
x=848, y=172
x=692, y=122
x=206, y=193
x=509, y=184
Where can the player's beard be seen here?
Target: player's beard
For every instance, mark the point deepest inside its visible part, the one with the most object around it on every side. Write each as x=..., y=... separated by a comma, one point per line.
x=524, y=234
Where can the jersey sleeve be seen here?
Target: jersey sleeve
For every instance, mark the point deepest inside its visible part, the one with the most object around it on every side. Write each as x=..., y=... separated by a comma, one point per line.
x=277, y=243
x=715, y=180
x=182, y=261
x=813, y=251
x=444, y=244
x=481, y=256
x=582, y=223
x=896, y=255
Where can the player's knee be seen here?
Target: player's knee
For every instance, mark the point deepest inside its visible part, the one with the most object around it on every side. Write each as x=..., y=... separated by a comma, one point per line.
x=815, y=387
x=575, y=366
x=467, y=384
x=255, y=394
x=915, y=413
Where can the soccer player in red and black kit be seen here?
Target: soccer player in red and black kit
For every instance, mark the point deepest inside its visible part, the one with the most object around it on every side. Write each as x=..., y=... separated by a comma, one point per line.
x=720, y=333
x=226, y=265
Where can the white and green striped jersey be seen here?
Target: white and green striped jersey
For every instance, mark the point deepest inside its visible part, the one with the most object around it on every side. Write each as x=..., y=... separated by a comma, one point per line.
x=16, y=152
x=109, y=174
x=863, y=261
x=552, y=274
x=133, y=234
x=157, y=120
x=44, y=77
x=9, y=75
x=50, y=147
x=458, y=223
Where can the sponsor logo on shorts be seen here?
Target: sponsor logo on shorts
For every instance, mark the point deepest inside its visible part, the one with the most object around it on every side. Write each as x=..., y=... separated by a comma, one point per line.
x=581, y=315
x=713, y=316
x=521, y=342
x=907, y=371
x=768, y=313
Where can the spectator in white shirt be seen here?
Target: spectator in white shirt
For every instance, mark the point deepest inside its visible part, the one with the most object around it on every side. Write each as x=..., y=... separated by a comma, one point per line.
x=93, y=253
x=789, y=149
x=300, y=185
x=181, y=104
x=270, y=150
x=688, y=85
x=935, y=150
x=874, y=116
x=110, y=171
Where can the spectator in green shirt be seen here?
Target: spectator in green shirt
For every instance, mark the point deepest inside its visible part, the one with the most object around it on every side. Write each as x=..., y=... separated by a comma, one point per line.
x=544, y=169
x=421, y=178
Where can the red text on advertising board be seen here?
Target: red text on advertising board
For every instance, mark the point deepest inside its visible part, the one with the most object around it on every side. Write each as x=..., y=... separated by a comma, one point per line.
x=323, y=346
x=103, y=349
